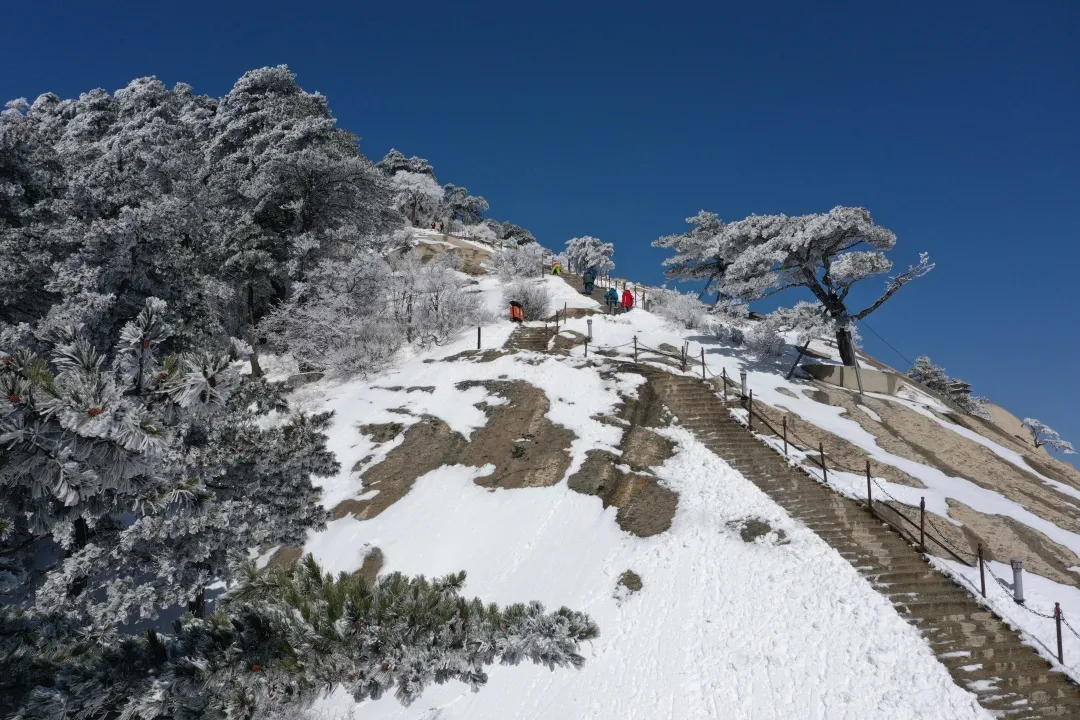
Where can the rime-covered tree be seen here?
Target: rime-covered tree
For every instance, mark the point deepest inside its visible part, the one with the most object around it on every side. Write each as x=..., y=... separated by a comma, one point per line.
x=418, y=197
x=706, y=251
x=214, y=206
x=459, y=205
x=933, y=376
x=515, y=233
x=145, y=474
x=1045, y=436
x=924, y=371
x=396, y=162
x=353, y=315
x=520, y=261
x=281, y=639
x=589, y=252
x=826, y=253
x=290, y=187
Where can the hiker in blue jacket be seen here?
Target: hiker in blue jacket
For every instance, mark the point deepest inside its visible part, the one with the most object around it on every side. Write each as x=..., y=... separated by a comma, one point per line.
x=611, y=298
x=590, y=280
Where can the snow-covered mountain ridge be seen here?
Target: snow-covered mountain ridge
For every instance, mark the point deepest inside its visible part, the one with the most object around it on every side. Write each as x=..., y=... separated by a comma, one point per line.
x=547, y=475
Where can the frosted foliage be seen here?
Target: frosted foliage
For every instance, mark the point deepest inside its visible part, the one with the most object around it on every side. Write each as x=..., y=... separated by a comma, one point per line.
x=589, y=252
x=682, y=308
x=808, y=321
x=418, y=197
x=354, y=315
x=144, y=475
x=281, y=639
x=214, y=206
x=533, y=296
x=704, y=253
x=395, y=162
x=519, y=261
x=764, y=341
x=1044, y=435
x=515, y=233
x=429, y=303
x=460, y=206
x=823, y=252
x=924, y=370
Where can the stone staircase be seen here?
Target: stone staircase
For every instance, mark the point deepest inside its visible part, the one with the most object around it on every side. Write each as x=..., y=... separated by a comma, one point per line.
x=980, y=651
x=529, y=337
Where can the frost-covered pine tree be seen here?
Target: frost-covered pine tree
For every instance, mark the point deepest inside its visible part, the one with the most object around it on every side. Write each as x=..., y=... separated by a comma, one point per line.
x=280, y=639
x=515, y=234
x=589, y=252
x=705, y=252
x=1045, y=436
x=826, y=253
x=933, y=376
x=459, y=205
x=395, y=162
x=144, y=475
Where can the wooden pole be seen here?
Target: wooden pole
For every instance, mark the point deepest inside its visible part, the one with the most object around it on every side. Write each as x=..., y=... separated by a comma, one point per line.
x=635, y=348
x=1057, y=620
x=684, y=357
x=824, y=471
x=785, y=435
x=982, y=572
x=750, y=411
x=477, y=337
x=724, y=373
x=797, y=359
x=702, y=362
x=586, y=348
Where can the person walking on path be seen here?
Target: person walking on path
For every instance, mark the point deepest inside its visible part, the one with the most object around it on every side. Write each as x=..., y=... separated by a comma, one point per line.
x=611, y=298
x=516, y=313
x=589, y=279
x=627, y=300
x=556, y=268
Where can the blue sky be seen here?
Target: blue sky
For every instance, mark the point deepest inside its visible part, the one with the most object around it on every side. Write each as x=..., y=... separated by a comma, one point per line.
x=956, y=124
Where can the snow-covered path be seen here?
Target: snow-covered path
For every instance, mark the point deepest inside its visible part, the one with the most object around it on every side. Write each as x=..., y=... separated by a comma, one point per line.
x=721, y=629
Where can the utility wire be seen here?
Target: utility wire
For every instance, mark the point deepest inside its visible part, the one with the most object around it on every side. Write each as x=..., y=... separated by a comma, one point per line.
x=867, y=326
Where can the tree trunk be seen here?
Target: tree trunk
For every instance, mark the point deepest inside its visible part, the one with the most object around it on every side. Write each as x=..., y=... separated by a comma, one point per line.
x=846, y=347
x=197, y=606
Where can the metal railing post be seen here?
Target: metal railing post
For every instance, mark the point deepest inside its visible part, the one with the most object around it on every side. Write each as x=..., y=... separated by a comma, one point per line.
x=982, y=571
x=922, y=524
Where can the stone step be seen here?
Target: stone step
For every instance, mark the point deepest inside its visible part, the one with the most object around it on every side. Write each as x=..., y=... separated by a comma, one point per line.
x=959, y=630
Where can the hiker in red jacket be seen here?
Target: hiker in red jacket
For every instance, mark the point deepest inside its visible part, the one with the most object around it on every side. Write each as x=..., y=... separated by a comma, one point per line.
x=627, y=300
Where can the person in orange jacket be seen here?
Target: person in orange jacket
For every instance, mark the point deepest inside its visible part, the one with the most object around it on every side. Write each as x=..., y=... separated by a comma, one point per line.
x=516, y=313
x=627, y=300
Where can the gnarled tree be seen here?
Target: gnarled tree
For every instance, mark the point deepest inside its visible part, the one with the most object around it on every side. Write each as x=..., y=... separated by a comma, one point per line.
x=826, y=253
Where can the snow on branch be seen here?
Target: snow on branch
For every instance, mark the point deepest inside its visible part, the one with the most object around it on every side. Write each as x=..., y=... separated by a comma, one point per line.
x=1044, y=435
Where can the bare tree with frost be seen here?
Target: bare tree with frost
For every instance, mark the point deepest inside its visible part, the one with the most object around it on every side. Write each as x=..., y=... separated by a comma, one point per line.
x=1045, y=436
x=418, y=197
x=827, y=254
x=519, y=261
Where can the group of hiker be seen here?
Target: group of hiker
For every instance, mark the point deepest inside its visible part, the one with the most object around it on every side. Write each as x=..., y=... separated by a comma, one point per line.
x=614, y=302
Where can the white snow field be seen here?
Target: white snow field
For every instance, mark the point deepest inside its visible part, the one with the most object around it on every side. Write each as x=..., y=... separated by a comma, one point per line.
x=780, y=628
